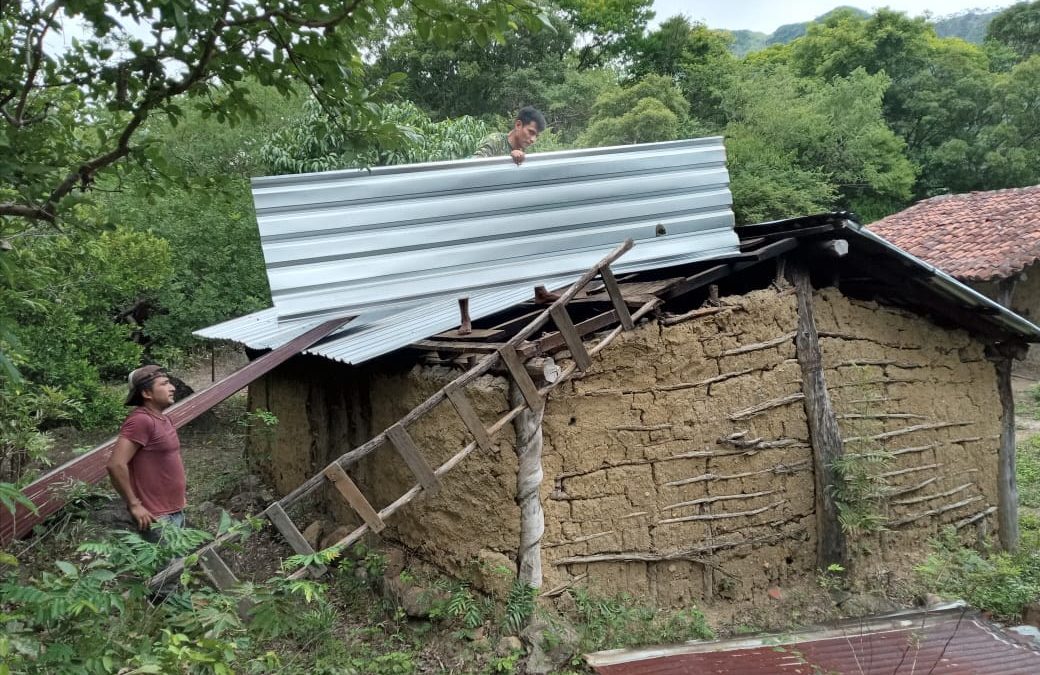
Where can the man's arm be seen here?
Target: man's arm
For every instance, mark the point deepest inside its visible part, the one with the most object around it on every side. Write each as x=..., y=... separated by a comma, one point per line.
x=119, y=472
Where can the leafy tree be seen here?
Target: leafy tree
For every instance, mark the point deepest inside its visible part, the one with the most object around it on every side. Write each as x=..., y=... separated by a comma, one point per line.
x=112, y=80
x=832, y=132
x=568, y=111
x=697, y=58
x=69, y=311
x=652, y=109
x=1018, y=27
x=607, y=28
x=473, y=76
x=317, y=142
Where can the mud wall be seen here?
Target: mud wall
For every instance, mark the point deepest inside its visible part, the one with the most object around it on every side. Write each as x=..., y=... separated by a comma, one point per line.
x=924, y=401
x=679, y=468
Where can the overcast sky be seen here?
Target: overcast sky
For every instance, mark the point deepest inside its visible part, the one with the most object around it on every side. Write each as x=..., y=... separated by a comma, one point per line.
x=768, y=15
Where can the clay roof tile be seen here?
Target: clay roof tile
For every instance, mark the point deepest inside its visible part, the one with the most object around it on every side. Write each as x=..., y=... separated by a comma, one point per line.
x=977, y=236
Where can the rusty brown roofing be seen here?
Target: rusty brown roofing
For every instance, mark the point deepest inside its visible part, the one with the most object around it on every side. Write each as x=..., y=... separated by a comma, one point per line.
x=976, y=236
x=940, y=643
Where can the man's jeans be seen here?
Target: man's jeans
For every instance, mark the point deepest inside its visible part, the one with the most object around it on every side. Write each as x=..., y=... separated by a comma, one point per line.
x=154, y=534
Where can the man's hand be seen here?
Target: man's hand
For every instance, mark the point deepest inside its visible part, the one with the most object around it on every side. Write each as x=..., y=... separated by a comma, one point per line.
x=518, y=156
x=142, y=516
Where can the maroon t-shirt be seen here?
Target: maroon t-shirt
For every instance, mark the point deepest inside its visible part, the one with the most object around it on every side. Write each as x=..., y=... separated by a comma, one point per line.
x=156, y=470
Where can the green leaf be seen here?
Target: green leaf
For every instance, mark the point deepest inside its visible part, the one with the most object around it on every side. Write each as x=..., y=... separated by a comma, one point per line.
x=68, y=569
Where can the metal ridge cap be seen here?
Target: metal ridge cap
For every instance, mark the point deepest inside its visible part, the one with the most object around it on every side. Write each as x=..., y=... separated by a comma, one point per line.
x=952, y=286
x=286, y=180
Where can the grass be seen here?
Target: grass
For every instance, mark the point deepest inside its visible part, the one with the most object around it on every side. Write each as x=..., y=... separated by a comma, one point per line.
x=1027, y=470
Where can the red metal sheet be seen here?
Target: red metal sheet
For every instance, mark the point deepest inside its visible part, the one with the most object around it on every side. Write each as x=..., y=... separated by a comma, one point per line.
x=948, y=643
x=48, y=492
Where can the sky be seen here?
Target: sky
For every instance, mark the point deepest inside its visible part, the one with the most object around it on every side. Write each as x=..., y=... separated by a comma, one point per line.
x=768, y=15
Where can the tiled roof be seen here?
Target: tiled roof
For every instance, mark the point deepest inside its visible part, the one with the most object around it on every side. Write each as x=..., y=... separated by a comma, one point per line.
x=976, y=236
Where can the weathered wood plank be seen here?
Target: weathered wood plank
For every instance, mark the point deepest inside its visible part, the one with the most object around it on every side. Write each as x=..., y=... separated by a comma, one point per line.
x=469, y=416
x=217, y=570
x=571, y=337
x=409, y=451
x=520, y=376
x=824, y=434
x=281, y=521
x=350, y=492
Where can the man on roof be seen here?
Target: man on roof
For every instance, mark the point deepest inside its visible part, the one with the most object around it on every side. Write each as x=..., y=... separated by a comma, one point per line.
x=529, y=123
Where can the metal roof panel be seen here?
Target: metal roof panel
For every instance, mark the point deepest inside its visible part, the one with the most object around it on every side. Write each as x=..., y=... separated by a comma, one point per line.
x=346, y=242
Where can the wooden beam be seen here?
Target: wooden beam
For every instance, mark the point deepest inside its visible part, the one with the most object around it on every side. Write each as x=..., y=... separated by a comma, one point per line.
x=348, y=489
x=469, y=416
x=411, y=455
x=698, y=280
x=563, y=322
x=281, y=521
x=824, y=434
x=520, y=376
x=1007, y=487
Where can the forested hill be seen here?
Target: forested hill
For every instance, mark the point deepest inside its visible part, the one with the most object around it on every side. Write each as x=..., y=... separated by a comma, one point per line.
x=969, y=26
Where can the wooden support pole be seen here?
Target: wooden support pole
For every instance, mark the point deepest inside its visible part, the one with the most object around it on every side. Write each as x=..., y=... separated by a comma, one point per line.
x=528, y=428
x=824, y=434
x=1007, y=487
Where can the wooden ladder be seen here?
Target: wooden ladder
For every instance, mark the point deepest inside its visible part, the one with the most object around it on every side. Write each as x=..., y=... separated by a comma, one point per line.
x=428, y=479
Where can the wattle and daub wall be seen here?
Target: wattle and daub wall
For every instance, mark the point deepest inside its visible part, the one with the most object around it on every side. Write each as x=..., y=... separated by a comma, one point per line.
x=679, y=468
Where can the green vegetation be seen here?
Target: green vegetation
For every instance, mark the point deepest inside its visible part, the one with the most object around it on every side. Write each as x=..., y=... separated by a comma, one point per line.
x=1027, y=468
x=997, y=582
x=126, y=223
x=620, y=621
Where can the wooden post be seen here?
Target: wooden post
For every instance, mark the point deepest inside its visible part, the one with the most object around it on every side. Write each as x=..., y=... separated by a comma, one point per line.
x=1007, y=487
x=528, y=427
x=824, y=435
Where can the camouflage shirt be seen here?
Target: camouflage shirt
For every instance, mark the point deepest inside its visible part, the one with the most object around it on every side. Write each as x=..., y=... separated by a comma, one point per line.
x=494, y=145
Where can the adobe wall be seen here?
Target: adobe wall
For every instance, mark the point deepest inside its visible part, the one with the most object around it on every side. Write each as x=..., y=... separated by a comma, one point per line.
x=682, y=458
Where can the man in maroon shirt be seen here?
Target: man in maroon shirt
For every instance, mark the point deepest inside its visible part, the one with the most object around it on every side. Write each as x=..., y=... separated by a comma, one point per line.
x=145, y=466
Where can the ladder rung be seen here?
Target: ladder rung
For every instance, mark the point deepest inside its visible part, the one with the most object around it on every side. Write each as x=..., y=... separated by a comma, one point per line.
x=281, y=521
x=349, y=489
x=610, y=283
x=571, y=337
x=217, y=570
x=469, y=416
x=520, y=376
x=409, y=452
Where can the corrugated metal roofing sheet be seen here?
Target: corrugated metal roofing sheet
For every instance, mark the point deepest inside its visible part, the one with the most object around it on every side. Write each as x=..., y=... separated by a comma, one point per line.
x=914, y=642
x=348, y=242
x=373, y=333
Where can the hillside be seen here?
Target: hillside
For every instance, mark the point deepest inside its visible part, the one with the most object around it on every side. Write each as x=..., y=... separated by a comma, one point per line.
x=969, y=26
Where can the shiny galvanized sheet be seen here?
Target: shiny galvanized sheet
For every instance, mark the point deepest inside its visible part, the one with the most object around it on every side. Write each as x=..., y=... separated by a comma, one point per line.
x=346, y=242
x=371, y=334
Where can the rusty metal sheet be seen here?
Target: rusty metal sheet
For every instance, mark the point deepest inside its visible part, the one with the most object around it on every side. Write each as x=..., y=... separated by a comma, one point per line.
x=955, y=641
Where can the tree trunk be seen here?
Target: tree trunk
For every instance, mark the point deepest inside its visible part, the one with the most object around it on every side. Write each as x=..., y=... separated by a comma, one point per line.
x=528, y=427
x=1007, y=487
x=824, y=434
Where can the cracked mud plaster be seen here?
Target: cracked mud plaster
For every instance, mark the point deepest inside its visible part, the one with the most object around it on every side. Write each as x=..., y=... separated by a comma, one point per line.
x=622, y=443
